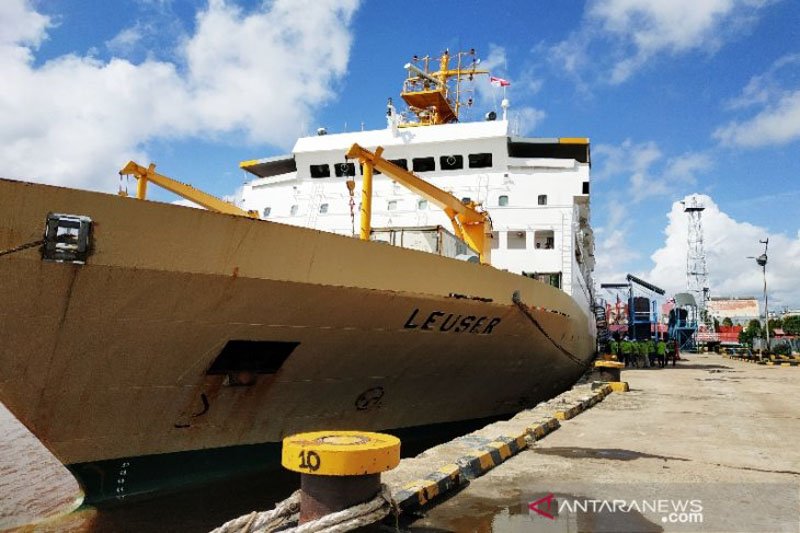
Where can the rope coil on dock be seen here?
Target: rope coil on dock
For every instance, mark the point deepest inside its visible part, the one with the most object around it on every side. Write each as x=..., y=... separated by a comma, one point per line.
x=287, y=512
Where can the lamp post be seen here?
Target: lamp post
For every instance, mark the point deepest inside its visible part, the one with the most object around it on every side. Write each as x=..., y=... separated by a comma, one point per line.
x=762, y=262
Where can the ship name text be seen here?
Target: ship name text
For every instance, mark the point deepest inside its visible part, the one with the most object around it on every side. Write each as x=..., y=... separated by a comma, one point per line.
x=441, y=321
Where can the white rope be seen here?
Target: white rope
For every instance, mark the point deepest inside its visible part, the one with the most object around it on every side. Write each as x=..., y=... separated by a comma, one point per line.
x=286, y=513
x=264, y=520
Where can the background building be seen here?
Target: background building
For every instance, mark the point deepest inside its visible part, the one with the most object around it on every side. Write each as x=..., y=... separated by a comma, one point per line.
x=739, y=310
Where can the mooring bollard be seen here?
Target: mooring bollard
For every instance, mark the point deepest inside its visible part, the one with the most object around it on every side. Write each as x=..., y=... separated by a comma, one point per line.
x=608, y=370
x=339, y=469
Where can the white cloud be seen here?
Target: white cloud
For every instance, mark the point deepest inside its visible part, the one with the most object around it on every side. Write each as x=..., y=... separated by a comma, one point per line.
x=728, y=243
x=22, y=25
x=643, y=166
x=613, y=252
x=124, y=42
x=685, y=167
x=636, y=157
x=74, y=120
x=767, y=87
x=778, y=102
x=640, y=30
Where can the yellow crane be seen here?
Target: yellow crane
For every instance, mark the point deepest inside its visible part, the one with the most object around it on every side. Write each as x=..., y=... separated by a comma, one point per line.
x=470, y=225
x=212, y=203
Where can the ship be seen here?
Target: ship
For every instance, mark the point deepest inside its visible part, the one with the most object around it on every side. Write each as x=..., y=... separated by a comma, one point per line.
x=149, y=345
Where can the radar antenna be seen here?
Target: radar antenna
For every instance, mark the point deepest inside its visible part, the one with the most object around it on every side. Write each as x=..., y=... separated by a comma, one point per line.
x=436, y=97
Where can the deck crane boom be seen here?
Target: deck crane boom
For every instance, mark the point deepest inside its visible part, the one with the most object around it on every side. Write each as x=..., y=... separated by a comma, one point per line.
x=470, y=225
x=212, y=203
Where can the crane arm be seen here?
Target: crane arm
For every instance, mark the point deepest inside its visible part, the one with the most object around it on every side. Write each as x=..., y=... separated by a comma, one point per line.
x=472, y=226
x=212, y=203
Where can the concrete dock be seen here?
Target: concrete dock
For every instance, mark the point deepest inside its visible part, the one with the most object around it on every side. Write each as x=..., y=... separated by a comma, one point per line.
x=708, y=421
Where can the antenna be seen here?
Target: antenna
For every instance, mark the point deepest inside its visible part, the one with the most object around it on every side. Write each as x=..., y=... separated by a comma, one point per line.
x=696, y=266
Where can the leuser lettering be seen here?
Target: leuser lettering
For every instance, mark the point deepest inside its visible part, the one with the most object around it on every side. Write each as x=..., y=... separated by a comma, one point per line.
x=444, y=322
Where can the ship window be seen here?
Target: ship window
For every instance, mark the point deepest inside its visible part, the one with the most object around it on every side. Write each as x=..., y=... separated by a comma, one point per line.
x=480, y=160
x=423, y=164
x=320, y=171
x=515, y=240
x=345, y=169
x=259, y=357
x=422, y=204
x=465, y=200
x=544, y=239
x=495, y=240
x=585, y=189
x=323, y=208
x=402, y=163
x=502, y=201
x=267, y=211
x=392, y=205
x=451, y=162
x=542, y=199
x=293, y=210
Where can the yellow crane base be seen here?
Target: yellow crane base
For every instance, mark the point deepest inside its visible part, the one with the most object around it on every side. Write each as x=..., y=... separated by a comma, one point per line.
x=340, y=453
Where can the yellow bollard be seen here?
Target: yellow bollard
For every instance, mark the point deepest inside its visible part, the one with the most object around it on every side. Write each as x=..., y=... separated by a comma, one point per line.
x=608, y=370
x=339, y=469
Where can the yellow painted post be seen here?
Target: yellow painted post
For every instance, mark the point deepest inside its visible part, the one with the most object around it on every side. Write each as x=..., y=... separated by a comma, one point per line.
x=366, y=195
x=141, y=187
x=366, y=202
x=339, y=469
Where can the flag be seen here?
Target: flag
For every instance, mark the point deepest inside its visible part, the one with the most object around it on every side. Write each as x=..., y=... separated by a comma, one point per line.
x=499, y=82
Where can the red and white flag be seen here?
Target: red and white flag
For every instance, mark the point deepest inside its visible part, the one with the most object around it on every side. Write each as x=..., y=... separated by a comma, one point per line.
x=499, y=82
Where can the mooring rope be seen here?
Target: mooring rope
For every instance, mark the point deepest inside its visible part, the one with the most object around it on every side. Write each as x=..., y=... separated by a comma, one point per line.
x=287, y=513
x=21, y=247
x=524, y=308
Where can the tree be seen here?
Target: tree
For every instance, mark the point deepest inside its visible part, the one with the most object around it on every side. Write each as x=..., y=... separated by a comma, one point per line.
x=753, y=329
x=727, y=322
x=791, y=325
x=716, y=325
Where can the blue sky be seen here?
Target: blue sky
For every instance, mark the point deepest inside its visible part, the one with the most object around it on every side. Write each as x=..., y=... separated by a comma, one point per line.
x=678, y=97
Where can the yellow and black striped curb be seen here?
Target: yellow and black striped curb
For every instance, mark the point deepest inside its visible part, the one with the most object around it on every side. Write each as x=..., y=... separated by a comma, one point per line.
x=418, y=493
x=485, y=453
x=775, y=362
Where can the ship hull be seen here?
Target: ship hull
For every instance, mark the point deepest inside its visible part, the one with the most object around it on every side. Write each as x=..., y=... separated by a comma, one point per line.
x=131, y=477
x=138, y=352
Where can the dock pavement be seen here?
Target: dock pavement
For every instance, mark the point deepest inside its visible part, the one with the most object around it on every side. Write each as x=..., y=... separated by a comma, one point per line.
x=716, y=424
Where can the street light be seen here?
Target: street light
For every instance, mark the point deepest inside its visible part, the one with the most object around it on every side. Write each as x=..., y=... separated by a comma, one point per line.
x=762, y=262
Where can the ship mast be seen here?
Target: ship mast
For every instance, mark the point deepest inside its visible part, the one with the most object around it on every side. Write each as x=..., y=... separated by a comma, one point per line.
x=436, y=97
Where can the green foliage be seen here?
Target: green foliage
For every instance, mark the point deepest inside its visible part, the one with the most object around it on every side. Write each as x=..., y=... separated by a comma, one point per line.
x=753, y=329
x=727, y=321
x=791, y=325
x=716, y=325
x=782, y=349
x=775, y=323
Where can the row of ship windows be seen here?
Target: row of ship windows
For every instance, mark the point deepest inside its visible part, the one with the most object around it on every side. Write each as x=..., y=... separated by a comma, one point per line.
x=418, y=164
x=518, y=240
x=391, y=205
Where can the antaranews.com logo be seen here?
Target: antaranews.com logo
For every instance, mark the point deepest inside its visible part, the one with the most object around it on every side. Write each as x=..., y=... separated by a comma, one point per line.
x=556, y=507
x=671, y=511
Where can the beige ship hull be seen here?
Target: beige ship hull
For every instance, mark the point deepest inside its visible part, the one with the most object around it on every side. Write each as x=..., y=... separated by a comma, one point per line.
x=109, y=359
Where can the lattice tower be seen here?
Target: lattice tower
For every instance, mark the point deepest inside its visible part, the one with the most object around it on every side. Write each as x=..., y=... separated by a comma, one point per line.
x=696, y=266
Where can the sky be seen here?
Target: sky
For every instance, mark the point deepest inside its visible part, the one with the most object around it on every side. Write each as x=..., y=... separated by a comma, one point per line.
x=678, y=97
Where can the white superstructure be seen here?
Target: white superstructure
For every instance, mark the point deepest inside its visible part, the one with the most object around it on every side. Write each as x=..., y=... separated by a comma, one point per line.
x=535, y=189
